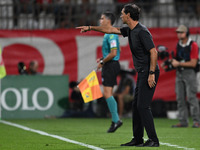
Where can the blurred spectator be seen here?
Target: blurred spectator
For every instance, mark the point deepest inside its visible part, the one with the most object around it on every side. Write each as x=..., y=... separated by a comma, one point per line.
x=102, y=108
x=148, y=5
x=63, y=13
x=186, y=6
x=26, y=6
x=185, y=61
x=125, y=91
x=90, y=9
x=76, y=104
x=88, y=113
x=16, y=12
x=42, y=7
x=76, y=100
x=45, y=6
x=105, y=5
x=198, y=8
x=22, y=68
x=33, y=68
x=82, y=9
x=23, y=8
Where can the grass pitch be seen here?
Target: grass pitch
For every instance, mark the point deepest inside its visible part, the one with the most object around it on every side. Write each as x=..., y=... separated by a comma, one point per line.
x=92, y=132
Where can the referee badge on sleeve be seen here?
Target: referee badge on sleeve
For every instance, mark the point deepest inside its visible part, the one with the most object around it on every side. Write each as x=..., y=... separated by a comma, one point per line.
x=113, y=43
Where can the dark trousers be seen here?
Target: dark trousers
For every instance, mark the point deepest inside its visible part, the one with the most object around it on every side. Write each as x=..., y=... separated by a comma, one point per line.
x=142, y=116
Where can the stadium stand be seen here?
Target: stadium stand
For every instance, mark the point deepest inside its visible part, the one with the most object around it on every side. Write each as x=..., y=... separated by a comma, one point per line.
x=52, y=14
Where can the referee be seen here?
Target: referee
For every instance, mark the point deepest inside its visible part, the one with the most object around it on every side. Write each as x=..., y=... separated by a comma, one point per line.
x=145, y=61
x=110, y=68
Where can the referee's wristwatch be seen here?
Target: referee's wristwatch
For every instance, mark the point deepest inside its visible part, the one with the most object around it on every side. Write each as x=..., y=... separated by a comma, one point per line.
x=101, y=62
x=152, y=72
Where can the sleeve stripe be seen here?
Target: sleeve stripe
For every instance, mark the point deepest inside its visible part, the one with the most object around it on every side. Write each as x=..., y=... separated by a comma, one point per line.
x=113, y=48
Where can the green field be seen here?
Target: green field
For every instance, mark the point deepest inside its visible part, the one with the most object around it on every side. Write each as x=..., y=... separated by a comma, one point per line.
x=92, y=132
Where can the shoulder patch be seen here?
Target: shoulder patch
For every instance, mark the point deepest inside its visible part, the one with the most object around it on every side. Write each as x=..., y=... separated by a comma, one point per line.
x=113, y=43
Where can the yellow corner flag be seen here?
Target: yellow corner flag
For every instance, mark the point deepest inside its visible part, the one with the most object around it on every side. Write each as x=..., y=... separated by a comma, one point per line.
x=89, y=87
x=2, y=67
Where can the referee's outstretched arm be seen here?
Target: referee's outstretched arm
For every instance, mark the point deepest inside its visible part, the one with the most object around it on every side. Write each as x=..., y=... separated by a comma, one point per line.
x=107, y=29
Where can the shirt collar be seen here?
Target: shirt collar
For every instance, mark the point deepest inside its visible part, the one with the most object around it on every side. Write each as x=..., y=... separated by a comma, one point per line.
x=188, y=42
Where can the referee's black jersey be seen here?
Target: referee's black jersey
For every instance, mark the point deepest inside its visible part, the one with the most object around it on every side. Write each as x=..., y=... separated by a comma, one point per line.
x=141, y=42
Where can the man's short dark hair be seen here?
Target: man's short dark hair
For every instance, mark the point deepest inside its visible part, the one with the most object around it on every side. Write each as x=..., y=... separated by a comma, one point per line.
x=109, y=16
x=134, y=11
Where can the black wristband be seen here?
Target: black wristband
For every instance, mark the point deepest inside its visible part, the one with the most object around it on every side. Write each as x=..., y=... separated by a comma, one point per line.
x=101, y=62
x=89, y=28
x=151, y=72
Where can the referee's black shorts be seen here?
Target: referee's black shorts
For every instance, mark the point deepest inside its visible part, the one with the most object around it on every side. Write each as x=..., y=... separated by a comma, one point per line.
x=109, y=73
